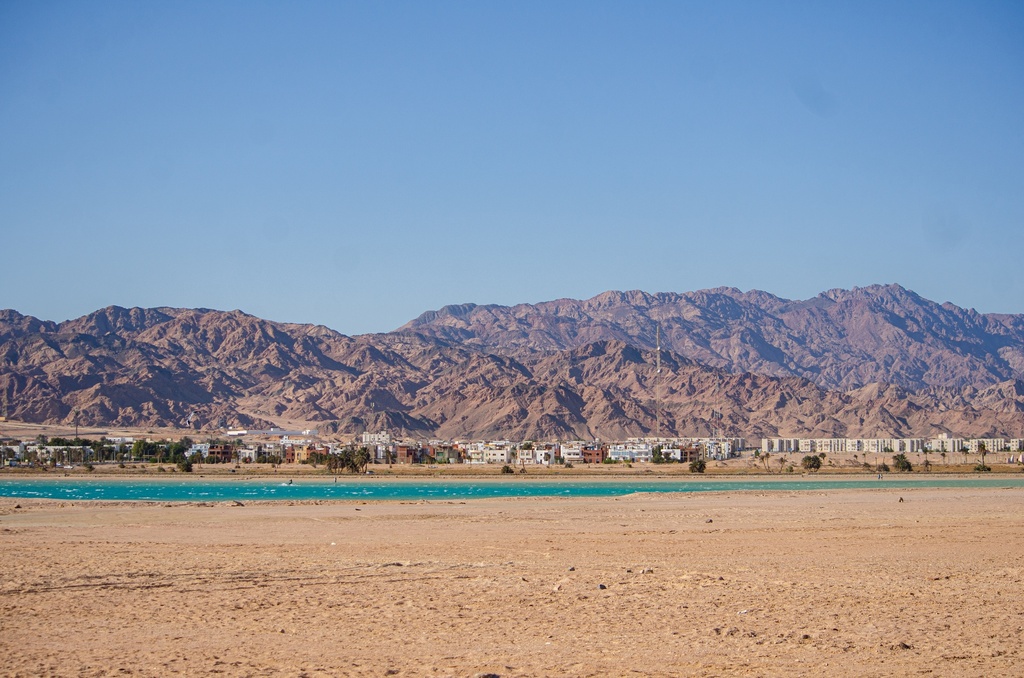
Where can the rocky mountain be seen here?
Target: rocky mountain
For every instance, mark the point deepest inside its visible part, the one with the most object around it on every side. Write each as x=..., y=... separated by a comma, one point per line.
x=841, y=339
x=564, y=369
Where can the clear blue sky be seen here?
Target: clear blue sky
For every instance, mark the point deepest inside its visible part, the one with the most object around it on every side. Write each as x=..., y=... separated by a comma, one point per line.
x=355, y=164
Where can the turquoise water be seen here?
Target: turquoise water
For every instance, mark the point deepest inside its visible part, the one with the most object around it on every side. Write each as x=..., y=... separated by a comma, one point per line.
x=199, y=490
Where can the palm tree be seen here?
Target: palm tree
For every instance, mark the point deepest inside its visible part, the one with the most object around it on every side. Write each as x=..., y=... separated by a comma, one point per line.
x=360, y=459
x=901, y=463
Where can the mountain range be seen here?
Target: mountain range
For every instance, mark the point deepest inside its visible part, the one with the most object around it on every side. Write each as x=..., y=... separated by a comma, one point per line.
x=877, y=361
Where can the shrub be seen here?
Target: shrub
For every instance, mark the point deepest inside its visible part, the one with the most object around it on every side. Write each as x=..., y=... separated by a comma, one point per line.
x=982, y=468
x=902, y=464
x=568, y=464
x=698, y=466
x=185, y=466
x=811, y=462
x=507, y=469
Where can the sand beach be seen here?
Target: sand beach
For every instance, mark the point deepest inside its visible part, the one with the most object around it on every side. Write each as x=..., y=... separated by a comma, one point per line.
x=843, y=582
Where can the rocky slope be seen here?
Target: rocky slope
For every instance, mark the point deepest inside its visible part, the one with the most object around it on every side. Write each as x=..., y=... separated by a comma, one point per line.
x=841, y=339
x=558, y=376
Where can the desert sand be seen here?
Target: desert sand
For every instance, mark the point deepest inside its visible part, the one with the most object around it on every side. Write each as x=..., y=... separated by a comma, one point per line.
x=847, y=582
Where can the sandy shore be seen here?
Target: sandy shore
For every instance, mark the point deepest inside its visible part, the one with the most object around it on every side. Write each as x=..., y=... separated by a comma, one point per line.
x=785, y=583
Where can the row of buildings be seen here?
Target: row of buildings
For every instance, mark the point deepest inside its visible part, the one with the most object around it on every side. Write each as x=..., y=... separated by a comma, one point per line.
x=938, y=445
x=383, y=449
x=544, y=453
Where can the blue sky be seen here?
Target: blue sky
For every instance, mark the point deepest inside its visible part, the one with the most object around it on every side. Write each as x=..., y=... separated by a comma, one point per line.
x=355, y=164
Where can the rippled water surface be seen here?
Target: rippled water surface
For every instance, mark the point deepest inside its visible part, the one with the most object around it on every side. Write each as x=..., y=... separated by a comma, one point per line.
x=240, y=489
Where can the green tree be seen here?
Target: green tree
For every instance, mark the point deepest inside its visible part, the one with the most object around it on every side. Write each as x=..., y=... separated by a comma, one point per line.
x=349, y=459
x=177, y=451
x=698, y=465
x=142, y=449
x=334, y=463
x=656, y=456
x=359, y=459
x=982, y=467
x=811, y=462
x=901, y=463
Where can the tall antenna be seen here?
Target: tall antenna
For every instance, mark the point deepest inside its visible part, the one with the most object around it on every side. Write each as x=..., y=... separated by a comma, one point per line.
x=657, y=383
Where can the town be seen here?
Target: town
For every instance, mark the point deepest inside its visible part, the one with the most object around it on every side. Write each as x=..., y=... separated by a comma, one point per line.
x=280, y=447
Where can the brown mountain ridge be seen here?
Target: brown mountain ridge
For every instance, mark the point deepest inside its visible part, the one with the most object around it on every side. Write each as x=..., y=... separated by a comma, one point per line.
x=841, y=339
x=869, y=362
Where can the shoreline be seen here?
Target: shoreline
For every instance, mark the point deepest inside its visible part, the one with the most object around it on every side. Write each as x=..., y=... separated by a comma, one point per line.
x=510, y=478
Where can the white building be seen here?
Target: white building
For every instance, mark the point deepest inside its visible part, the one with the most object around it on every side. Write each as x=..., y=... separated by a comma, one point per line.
x=780, y=445
x=248, y=454
x=497, y=455
x=943, y=443
x=991, y=445
x=382, y=438
x=572, y=452
x=630, y=452
x=717, y=448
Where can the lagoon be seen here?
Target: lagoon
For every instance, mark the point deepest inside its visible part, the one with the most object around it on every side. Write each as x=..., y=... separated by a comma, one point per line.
x=392, y=489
